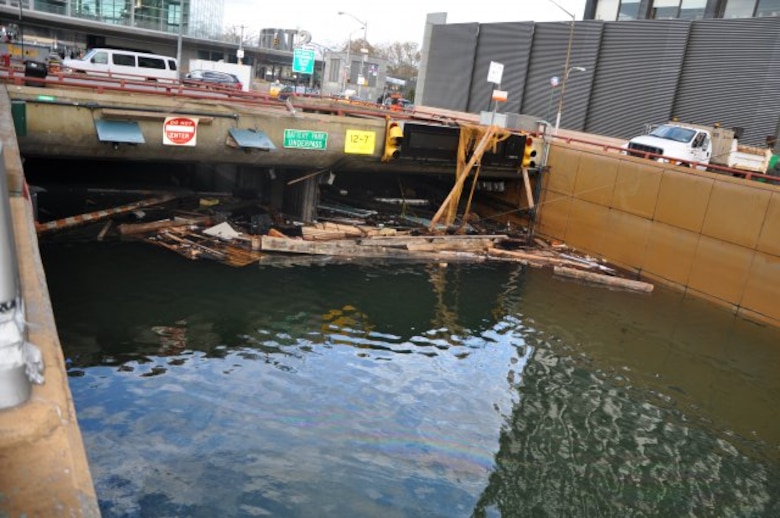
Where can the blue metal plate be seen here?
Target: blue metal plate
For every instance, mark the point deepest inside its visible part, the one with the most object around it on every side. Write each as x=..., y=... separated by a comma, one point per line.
x=123, y=132
x=249, y=138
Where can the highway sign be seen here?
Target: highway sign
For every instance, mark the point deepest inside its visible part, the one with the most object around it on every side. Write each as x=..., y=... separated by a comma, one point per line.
x=305, y=139
x=180, y=131
x=303, y=61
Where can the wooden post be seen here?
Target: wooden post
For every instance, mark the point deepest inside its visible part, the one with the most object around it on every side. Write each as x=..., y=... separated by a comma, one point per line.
x=454, y=195
x=527, y=182
x=607, y=280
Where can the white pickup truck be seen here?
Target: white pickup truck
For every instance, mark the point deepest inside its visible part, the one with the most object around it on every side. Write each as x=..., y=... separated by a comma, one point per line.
x=699, y=146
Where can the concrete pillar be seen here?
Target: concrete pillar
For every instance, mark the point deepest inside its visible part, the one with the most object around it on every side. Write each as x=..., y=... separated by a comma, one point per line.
x=431, y=20
x=276, y=192
x=302, y=198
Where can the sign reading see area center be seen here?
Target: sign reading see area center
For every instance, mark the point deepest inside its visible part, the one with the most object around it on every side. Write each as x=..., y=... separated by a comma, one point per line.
x=180, y=131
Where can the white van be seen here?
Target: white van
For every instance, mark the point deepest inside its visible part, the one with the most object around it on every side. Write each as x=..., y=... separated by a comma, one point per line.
x=125, y=64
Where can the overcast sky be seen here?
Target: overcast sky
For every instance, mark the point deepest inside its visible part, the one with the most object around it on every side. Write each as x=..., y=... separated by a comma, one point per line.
x=386, y=22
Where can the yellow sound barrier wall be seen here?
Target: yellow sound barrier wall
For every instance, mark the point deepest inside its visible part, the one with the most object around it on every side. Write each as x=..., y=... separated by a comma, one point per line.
x=711, y=235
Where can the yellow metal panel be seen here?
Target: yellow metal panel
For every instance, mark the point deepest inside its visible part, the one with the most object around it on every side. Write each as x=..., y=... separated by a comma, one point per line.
x=769, y=238
x=554, y=215
x=720, y=269
x=636, y=190
x=670, y=252
x=596, y=178
x=587, y=226
x=625, y=239
x=683, y=199
x=762, y=289
x=563, y=163
x=736, y=213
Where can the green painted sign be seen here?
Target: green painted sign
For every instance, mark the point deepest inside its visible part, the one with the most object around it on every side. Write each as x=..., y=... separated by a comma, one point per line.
x=303, y=61
x=305, y=139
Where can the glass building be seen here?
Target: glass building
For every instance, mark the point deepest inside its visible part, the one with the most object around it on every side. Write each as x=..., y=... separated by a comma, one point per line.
x=613, y=10
x=195, y=18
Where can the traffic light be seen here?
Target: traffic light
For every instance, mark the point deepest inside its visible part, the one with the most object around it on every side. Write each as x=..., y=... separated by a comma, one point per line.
x=394, y=136
x=529, y=153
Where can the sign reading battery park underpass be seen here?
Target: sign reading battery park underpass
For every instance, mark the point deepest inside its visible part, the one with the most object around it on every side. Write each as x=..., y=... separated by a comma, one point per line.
x=305, y=139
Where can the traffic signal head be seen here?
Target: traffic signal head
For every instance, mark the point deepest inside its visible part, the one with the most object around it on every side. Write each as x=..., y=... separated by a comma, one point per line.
x=394, y=136
x=530, y=159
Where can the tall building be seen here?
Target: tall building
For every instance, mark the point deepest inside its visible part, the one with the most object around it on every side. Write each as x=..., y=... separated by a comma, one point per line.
x=616, y=10
x=195, y=18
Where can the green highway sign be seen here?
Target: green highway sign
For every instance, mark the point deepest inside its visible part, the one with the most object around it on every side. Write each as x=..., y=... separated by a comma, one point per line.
x=305, y=139
x=303, y=61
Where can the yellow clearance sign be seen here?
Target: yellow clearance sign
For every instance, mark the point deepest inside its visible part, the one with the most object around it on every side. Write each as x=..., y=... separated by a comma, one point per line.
x=359, y=142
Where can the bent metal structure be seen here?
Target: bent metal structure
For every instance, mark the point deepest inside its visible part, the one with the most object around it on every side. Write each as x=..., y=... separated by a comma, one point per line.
x=710, y=235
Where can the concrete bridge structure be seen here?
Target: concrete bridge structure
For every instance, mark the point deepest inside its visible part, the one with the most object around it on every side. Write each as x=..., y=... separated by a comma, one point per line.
x=710, y=235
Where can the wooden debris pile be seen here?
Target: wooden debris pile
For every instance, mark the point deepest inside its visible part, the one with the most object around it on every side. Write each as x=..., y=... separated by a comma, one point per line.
x=227, y=235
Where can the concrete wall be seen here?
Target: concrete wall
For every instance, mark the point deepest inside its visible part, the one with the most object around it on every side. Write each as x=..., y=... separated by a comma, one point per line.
x=710, y=235
x=44, y=469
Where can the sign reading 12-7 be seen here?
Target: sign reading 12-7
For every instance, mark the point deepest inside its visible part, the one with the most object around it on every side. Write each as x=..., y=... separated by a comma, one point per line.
x=305, y=139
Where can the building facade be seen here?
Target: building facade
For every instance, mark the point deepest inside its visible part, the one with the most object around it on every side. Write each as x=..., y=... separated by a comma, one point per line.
x=614, y=10
x=613, y=78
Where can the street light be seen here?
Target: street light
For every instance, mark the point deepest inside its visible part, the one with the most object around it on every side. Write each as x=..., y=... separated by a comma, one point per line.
x=560, y=101
x=566, y=64
x=347, y=64
x=365, y=43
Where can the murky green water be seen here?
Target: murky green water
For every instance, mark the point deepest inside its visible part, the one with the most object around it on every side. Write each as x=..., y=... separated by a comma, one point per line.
x=408, y=390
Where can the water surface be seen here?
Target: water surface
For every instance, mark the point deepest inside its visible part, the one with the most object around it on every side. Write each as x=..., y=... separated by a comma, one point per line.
x=408, y=390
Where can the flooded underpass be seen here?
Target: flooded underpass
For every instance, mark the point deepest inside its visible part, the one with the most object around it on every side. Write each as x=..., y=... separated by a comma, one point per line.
x=380, y=387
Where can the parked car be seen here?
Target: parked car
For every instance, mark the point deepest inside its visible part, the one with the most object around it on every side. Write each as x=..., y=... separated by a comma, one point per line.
x=212, y=78
x=285, y=92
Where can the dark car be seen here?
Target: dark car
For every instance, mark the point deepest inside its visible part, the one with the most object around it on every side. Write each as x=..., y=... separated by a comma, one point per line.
x=284, y=93
x=212, y=79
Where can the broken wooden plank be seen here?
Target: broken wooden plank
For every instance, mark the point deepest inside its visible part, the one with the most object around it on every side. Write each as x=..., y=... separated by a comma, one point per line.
x=81, y=219
x=463, y=245
x=607, y=280
x=527, y=184
x=338, y=248
x=104, y=230
x=130, y=229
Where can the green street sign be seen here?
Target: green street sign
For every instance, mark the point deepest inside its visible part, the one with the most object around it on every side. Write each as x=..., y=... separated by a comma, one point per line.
x=303, y=61
x=305, y=139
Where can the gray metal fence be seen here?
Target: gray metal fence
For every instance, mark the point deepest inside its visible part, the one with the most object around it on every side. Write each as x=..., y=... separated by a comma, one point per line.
x=636, y=72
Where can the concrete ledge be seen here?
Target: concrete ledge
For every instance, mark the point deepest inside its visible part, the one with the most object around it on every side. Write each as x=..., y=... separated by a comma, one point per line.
x=45, y=471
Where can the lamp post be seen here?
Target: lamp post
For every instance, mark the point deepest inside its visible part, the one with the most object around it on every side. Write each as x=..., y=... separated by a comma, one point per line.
x=560, y=100
x=347, y=64
x=566, y=64
x=365, y=43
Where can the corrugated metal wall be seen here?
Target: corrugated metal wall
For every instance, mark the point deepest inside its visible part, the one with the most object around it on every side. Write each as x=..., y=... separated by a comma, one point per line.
x=639, y=64
x=510, y=45
x=638, y=72
x=450, y=65
x=548, y=58
x=734, y=65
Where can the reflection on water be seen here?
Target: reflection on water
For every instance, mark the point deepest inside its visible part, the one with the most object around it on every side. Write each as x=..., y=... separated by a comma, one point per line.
x=408, y=390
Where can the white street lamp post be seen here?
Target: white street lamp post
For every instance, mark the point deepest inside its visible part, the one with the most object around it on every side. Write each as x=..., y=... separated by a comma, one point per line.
x=566, y=64
x=364, y=51
x=560, y=100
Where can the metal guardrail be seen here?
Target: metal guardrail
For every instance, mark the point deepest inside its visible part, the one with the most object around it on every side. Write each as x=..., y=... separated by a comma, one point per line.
x=21, y=363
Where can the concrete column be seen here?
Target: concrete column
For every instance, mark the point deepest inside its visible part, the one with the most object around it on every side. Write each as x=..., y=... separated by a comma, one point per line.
x=431, y=20
x=302, y=198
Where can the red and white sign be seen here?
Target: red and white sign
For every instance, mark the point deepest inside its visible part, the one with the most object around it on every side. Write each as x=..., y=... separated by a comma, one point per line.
x=180, y=131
